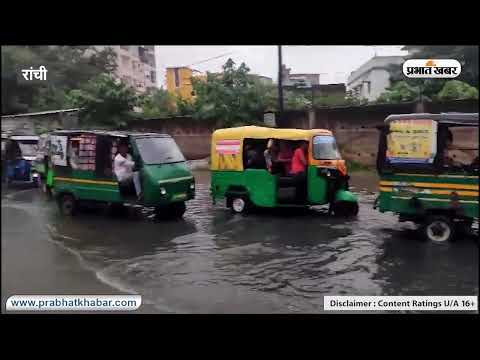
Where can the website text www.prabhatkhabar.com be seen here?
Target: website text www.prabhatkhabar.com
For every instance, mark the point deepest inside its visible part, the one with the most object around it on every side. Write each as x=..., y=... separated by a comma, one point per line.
x=73, y=302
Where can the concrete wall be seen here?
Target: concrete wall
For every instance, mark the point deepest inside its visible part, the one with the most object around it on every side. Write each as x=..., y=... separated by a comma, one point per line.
x=39, y=123
x=354, y=127
x=193, y=137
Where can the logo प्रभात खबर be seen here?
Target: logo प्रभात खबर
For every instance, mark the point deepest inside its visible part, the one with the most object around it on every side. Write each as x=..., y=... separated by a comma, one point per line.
x=432, y=68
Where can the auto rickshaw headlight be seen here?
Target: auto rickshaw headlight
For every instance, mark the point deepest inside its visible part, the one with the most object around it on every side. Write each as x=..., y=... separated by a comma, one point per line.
x=192, y=186
x=163, y=191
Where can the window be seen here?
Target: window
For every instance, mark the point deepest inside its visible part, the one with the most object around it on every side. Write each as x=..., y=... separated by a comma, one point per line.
x=460, y=150
x=153, y=76
x=177, y=78
x=28, y=148
x=159, y=150
x=325, y=148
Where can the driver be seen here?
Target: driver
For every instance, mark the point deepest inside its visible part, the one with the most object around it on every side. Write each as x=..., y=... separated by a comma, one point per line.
x=123, y=167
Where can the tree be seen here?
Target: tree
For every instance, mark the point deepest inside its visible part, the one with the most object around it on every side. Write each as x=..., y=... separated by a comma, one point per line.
x=400, y=91
x=456, y=90
x=69, y=67
x=231, y=97
x=104, y=101
x=158, y=103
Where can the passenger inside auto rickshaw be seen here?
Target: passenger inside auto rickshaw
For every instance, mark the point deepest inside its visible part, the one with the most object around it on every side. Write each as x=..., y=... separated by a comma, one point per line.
x=281, y=162
x=454, y=156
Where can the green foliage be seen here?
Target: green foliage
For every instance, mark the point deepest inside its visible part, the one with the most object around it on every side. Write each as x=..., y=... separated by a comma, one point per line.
x=331, y=100
x=399, y=92
x=295, y=100
x=69, y=67
x=104, y=101
x=231, y=97
x=184, y=107
x=455, y=89
x=158, y=103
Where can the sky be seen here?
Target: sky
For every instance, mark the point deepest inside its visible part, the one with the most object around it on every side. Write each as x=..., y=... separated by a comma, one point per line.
x=334, y=63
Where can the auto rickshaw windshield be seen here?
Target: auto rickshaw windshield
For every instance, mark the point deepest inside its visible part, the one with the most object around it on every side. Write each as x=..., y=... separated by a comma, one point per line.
x=325, y=148
x=28, y=148
x=159, y=150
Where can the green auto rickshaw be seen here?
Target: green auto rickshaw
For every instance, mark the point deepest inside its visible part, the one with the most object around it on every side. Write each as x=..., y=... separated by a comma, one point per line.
x=428, y=167
x=245, y=184
x=81, y=168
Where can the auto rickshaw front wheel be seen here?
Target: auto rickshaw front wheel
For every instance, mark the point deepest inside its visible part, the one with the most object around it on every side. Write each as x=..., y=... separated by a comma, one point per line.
x=344, y=208
x=172, y=211
x=67, y=204
x=438, y=228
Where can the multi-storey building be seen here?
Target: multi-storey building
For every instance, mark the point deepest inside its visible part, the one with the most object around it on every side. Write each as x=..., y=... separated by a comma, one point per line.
x=371, y=79
x=136, y=65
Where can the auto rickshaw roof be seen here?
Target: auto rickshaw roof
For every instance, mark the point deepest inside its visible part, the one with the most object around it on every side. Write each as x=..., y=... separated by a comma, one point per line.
x=24, y=137
x=260, y=132
x=453, y=118
x=114, y=133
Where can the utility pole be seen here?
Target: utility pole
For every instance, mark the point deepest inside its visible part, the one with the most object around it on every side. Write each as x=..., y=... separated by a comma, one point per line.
x=280, y=82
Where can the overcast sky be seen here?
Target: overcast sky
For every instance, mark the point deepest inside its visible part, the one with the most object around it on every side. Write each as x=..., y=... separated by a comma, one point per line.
x=337, y=62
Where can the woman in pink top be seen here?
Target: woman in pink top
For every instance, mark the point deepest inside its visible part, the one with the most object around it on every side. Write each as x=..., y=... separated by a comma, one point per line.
x=299, y=167
x=299, y=160
x=285, y=156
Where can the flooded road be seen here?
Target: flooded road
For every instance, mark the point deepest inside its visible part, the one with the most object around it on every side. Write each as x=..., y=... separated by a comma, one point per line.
x=216, y=262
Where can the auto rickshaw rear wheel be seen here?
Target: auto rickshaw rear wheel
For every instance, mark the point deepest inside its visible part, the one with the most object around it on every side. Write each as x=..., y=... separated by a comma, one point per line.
x=47, y=191
x=240, y=204
x=463, y=229
x=438, y=228
x=67, y=204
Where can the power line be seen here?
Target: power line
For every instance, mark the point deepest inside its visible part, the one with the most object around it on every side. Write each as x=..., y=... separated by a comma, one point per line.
x=212, y=58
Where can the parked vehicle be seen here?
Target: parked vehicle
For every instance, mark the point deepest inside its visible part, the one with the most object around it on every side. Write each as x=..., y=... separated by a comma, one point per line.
x=42, y=164
x=18, y=153
x=244, y=182
x=428, y=168
x=82, y=164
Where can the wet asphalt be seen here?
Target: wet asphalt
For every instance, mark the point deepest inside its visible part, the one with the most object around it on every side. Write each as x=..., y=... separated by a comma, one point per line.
x=213, y=261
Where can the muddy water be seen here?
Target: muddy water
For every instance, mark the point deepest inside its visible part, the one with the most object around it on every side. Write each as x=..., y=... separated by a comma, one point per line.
x=282, y=261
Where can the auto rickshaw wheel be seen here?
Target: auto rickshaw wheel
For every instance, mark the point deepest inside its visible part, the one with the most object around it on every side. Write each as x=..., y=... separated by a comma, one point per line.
x=67, y=204
x=464, y=229
x=239, y=204
x=177, y=209
x=345, y=208
x=172, y=211
x=438, y=229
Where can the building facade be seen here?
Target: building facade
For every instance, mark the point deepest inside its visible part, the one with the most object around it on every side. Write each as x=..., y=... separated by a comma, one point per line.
x=178, y=81
x=289, y=79
x=371, y=79
x=136, y=65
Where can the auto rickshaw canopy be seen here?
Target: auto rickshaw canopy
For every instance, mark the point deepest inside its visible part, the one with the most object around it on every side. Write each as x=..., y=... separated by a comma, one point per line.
x=260, y=132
